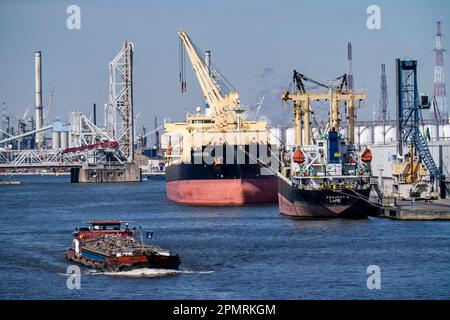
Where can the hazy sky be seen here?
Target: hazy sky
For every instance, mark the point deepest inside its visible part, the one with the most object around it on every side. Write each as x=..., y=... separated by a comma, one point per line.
x=255, y=44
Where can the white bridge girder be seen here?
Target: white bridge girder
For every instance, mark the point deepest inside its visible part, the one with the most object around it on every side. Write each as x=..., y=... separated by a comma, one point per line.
x=15, y=159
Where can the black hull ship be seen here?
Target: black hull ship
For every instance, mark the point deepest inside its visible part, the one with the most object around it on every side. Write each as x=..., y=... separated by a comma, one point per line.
x=324, y=175
x=347, y=203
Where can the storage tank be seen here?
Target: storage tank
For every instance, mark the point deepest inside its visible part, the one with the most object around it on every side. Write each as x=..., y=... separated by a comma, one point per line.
x=379, y=134
x=290, y=137
x=276, y=136
x=365, y=135
x=445, y=129
x=432, y=129
x=56, y=140
x=391, y=134
x=64, y=140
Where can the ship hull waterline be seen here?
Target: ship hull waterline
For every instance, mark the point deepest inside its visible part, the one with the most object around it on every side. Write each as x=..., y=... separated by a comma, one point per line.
x=223, y=192
x=300, y=203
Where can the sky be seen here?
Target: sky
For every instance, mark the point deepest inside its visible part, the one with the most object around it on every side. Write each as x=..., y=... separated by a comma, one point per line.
x=255, y=43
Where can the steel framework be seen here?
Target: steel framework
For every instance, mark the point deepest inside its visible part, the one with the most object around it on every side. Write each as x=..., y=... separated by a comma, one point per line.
x=121, y=101
x=409, y=114
x=37, y=159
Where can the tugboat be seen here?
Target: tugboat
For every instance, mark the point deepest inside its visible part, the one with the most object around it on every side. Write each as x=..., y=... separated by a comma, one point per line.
x=106, y=246
x=324, y=176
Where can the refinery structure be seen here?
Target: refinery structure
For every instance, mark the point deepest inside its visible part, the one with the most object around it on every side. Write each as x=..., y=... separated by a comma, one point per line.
x=90, y=151
x=116, y=149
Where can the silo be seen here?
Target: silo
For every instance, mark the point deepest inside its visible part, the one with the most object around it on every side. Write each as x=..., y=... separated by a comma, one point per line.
x=433, y=131
x=365, y=135
x=290, y=137
x=64, y=140
x=445, y=131
x=276, y=137
x=378, y=132
x=56, y=140
x=391, y=134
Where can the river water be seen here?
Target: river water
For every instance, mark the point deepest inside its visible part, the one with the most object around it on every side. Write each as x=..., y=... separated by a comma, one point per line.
x=248, y=252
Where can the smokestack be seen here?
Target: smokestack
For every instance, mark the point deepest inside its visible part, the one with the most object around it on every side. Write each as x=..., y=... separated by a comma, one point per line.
x=350, y=67
x=156, y=133
x=38, y=96
x=383, y=106
x=208, y=60
x=439, y=78
x=95, y=114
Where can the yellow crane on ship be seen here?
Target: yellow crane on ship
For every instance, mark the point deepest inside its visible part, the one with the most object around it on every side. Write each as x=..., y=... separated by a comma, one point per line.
x=223, y=118
x=219, y=94
x=302, y=106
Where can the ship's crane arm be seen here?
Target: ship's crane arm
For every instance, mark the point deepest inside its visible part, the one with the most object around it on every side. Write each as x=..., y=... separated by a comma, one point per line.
x=218, y=94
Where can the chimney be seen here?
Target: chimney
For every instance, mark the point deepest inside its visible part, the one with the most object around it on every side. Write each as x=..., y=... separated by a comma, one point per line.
x=95, y=114
x=38, y=96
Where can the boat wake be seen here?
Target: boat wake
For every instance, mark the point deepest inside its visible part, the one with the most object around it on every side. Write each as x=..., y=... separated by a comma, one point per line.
x=147, y=273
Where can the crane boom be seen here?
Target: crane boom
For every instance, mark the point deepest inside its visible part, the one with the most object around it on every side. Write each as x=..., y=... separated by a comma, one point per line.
x=222, y=103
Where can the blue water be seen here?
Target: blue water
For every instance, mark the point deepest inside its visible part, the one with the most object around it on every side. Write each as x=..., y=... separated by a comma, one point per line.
x=227, y=253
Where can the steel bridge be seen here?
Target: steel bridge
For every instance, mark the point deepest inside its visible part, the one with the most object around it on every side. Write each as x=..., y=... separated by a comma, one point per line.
x=39, y=159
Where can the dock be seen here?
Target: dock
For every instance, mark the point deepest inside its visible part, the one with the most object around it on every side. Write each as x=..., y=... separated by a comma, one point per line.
x=418, y=210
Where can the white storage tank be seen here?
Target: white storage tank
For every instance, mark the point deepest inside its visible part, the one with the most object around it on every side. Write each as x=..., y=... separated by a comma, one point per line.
x=56, y=140
x=365, y=135
x=445, y=129
x=379, y=134
x=64, y=140
x=290, y=137
x=391, y=134
x=276, y=136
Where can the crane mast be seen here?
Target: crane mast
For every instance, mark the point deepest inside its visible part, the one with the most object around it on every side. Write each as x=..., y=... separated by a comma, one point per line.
x=225, y=105
x=302, y=106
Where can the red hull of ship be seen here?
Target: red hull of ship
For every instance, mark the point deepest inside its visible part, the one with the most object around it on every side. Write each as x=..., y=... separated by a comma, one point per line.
x=223, y=192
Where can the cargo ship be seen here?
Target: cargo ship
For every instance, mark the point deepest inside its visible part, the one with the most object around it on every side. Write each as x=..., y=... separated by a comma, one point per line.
x=106, y=246
x=217, y=157
x=324, y=175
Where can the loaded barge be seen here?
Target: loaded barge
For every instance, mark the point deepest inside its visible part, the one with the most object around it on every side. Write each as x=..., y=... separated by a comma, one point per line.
x=108, y=247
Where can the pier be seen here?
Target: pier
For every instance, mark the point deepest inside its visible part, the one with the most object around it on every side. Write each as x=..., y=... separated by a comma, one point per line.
x=417, y=210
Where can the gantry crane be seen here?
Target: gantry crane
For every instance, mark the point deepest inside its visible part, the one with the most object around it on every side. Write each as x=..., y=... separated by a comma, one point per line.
x=302, y=106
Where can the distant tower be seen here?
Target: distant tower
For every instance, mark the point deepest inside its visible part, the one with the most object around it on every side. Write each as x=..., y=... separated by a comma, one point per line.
x=439, y=77
x=351, y=84
x=383, y=105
